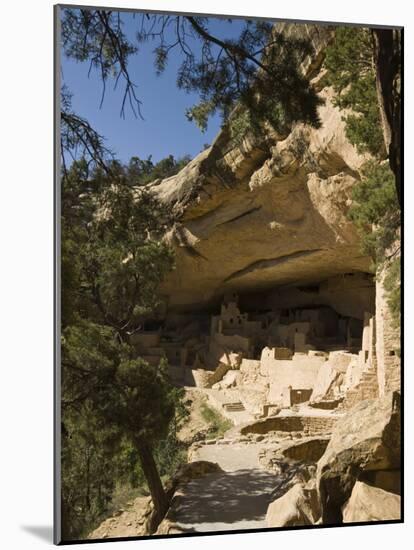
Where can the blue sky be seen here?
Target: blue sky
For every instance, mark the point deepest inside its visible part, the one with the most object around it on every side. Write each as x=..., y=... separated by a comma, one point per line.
x=165, y=129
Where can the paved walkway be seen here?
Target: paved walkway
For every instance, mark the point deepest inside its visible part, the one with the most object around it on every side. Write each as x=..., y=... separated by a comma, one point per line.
x=235, y=456
x=234, y=499
x=225, y=501
x=238, y=497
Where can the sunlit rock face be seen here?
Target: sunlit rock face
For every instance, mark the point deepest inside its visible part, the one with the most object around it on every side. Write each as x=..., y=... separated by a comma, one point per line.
x=269, y=212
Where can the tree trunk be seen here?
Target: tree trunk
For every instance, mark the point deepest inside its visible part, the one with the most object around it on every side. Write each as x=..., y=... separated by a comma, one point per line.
x=88, y=485
x=158, y=495
x=387, y=54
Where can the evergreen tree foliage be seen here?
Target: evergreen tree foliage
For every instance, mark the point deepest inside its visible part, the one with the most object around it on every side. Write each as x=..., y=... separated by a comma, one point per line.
x=113, y=235
x=376, y=212
x=392, y=286
x=351, y=71
x=117, y=410
x=89, y=469
x=78, y=139
x=375, y=207
x=141, y=172
x=132, y=398
x=258, y=70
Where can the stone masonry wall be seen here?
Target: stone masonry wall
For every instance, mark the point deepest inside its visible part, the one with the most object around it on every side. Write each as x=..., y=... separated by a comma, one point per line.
x=300, y=373
x=387, y=344
x=307, y=425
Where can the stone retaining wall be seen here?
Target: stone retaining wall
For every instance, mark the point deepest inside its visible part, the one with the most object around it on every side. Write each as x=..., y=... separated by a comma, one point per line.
x=387, y=345
x=308, y=425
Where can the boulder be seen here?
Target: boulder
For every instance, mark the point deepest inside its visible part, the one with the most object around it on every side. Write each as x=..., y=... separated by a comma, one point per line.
x=136, y=520
x=388, y=480
x=369, y=503
x=168, y=527
x=299, y=506
x=305, y=451
x=367, y=439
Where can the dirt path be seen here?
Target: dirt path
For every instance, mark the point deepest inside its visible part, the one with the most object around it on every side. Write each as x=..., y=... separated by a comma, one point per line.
x=231, y=457
x=225, y=501
x=235, y=499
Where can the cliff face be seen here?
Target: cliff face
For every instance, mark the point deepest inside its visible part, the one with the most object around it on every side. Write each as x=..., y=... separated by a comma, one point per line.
x=270, y=211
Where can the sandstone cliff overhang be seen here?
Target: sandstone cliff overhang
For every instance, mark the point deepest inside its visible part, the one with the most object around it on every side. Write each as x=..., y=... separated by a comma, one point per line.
x=266, y=212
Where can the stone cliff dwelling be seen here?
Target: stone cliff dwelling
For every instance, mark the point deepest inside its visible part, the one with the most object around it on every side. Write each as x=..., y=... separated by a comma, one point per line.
x=272, y=304
x=272, y=313
x=313, y=344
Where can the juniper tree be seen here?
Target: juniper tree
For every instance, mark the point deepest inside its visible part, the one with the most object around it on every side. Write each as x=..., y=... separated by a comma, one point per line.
x=117, y=230
x=126, y=398
x=375, y=212
x=113, y=260
x=259, y=70
x=388, y=62
x=140, y=172
x=364, y=67
x=352, y=70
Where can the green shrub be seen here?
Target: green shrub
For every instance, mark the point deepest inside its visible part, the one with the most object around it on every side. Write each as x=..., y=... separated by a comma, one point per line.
x=219, y=424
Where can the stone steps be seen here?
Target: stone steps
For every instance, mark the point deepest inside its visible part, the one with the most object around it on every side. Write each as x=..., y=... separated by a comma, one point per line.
x=234, y=407
x=367, y=388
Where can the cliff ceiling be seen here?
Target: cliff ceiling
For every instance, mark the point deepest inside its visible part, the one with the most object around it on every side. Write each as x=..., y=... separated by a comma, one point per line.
x=266, y=212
